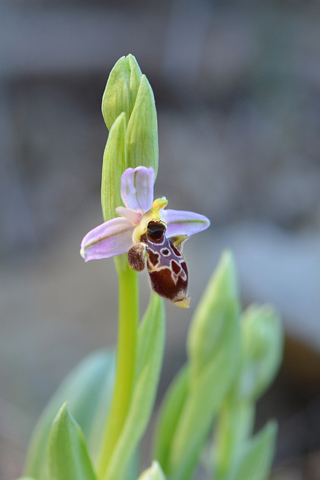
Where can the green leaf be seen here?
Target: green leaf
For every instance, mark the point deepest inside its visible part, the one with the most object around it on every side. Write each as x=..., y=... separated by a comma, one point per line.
x=149, y=361
x=256, y=458
x=121, y=90
x=262, y=350
x=204, y=400
x=153, y=473
x=68, y=457
x=234, y=425
x=208, y=323
x=168, y=417
x=88, y=390
x=26, y=478
x=214, y=352
x=114, y=164
x=142, y=131
x=260, y=359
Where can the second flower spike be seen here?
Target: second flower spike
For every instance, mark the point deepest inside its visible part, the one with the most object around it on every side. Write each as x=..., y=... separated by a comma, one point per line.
x=151, y=236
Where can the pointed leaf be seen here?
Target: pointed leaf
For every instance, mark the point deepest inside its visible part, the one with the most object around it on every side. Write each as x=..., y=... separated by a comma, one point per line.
x=214, y=352
x=234, y=425
x=260, y=359
x=68, y=456
x=257, y=454
x=168, y=418
x=209, y=321
x=88, y=390
x=263, y=348
x=153, y=473
x=204, y=400
x=150, y=353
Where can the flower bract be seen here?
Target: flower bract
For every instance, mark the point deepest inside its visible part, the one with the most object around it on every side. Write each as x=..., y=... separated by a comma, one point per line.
x=150, y=235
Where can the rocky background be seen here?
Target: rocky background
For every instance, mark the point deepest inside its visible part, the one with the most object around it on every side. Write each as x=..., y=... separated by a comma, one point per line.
x=237, y=87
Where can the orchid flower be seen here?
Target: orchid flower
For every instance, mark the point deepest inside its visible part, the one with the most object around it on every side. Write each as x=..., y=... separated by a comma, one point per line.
x=149, y=234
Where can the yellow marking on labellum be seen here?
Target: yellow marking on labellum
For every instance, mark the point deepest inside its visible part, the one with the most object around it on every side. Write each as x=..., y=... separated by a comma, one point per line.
x=184, y=303
x=176, y=241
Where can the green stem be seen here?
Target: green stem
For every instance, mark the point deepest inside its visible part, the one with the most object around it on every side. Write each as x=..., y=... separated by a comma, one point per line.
x=234, y=426
x=126, y=356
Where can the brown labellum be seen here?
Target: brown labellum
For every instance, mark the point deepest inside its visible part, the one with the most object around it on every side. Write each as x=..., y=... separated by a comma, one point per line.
x=165, y=263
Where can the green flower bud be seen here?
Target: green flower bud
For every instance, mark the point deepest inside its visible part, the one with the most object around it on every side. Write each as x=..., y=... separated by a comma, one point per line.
x=114, y=164
x=129, y=111
x=262, y=349
x=121, y=90
x=142, y=131
x=153, y=473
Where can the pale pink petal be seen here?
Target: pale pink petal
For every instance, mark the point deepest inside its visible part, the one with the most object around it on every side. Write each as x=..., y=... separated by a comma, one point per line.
x=107, y=240
x=180, y=222
x=131, y=215
x=137, y=188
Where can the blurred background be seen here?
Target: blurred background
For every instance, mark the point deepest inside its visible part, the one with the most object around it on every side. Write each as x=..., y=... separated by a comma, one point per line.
x=237, y=87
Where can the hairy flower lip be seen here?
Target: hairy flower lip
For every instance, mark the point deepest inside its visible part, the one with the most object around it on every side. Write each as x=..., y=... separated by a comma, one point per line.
x=117, y=235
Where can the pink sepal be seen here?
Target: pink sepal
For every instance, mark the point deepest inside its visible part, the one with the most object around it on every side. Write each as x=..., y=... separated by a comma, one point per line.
x=107, y=240
x=180, y=222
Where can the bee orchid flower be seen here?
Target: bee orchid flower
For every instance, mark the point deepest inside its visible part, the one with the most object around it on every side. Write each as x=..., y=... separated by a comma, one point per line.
x=150, y=235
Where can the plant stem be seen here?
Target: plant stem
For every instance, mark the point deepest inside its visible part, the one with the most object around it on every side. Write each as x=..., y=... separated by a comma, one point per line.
x=234, y=426
x=126, y=356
